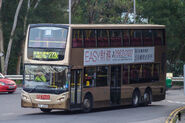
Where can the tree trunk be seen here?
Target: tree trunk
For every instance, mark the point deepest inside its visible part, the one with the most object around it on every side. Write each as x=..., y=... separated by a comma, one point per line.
x=11, y=36
x=1, y=41
x=19, y=61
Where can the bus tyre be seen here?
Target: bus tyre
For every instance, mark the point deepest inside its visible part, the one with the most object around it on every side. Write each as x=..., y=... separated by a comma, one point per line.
x=135, y=99
x=45, y=110
x=87, y=104
x=147, y=97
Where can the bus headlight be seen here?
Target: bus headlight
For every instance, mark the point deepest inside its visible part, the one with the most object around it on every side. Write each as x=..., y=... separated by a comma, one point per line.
x=25, y=97
x=62, y=97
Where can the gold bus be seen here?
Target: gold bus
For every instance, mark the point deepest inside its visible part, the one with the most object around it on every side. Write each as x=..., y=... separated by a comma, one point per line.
x=80, y=67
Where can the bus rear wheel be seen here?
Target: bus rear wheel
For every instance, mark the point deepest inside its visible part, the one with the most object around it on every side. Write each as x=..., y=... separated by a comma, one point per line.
x=45, y=110
x=87, y=104
x=135, y=99
x=147, y=97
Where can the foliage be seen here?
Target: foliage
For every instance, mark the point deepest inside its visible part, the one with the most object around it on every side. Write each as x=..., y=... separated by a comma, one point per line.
x=167, y=12
x=172, y=14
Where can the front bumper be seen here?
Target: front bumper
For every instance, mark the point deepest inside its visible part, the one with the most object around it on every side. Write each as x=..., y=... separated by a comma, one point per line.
x=29, y=100
x=8, y=88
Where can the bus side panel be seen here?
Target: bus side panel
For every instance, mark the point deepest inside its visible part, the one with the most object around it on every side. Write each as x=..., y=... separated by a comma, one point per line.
x=101, y=96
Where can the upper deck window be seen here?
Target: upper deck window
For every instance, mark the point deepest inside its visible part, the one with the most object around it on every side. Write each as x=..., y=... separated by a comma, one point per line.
x=126, y=38
x=77, y=38
x=147, y=37
x=115, y=38
x=135, y=37
x=103, y=38
x=90, y=38
x=47, y=43
x=47, y=37
x=159, y=37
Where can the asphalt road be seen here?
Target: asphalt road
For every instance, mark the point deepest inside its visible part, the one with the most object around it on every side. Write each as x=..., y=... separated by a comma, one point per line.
x=11, y=112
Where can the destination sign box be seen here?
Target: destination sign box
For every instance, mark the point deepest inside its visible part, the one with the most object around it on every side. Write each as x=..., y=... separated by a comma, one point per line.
x=45, y=55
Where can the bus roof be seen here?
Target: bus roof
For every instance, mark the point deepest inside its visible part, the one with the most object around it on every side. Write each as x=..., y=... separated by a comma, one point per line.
x=117, y=26
x=106, y=26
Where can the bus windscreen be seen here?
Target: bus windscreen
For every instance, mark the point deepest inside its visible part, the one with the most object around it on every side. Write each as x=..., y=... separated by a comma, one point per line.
x=47, y=37
x=47, y=43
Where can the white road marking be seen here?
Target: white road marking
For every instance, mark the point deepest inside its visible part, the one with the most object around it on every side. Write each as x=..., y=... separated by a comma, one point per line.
x=177, y=102
x=7, y=114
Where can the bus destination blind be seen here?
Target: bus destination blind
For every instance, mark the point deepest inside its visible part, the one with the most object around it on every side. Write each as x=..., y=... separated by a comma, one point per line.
x=45, y=55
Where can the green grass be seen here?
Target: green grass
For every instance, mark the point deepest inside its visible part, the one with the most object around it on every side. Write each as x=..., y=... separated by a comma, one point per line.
x=18, y=82
x=178, y=83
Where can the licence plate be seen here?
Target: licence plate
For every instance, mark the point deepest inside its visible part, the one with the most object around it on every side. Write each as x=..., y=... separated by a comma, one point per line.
x=43, y=97
x=42, y=106
x=11, y=87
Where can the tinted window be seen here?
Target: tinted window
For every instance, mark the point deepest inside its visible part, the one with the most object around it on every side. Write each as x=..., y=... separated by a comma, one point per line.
x=147, y=72
x=90, y=76
x=155, y=72
x=135, y=73
x=77, y=38
x=90, y=38
x=158, y=37
x=125, y=74
x=147, y=38
x=135, y=37
x=115, y=38
x=126, y=38
x=102, y=38
x=101, y=76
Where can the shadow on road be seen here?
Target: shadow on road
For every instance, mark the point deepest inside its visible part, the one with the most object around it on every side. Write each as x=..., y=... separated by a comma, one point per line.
x=56, y=112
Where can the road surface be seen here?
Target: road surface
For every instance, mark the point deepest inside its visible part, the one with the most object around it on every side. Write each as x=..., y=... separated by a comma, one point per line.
x=11, y=112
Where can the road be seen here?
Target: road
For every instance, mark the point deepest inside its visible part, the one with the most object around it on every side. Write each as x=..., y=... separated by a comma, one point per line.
x=11, y=112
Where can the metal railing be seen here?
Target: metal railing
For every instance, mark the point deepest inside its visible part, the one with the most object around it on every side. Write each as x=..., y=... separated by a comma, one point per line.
x=177, y=79
x=16, y=77
x=20, y=77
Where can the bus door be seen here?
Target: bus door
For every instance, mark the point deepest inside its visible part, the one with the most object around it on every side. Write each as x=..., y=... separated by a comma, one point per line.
x=115, y=84
x=76, y=89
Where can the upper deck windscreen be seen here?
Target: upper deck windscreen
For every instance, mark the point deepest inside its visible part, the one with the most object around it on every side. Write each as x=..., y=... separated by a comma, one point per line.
x=47, y=43
x=47, y=37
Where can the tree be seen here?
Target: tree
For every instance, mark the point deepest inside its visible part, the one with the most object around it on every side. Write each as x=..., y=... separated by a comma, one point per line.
x=11, y=37
x=172, y=14
x=104, y=11
x=1, y=39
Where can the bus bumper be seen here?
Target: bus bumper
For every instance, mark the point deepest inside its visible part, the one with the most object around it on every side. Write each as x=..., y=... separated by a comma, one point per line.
x=28, y=100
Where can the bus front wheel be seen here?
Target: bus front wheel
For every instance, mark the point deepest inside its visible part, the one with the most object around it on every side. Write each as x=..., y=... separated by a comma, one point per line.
x=87, y=104
x=45, y=110
x=135, y=98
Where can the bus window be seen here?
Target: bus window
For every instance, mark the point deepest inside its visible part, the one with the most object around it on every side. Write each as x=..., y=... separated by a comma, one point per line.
x=90, y=76
x=125, y=74
x=147, y=72
x=77, y=38
x=147, y=37
x=90, y=38
x=135, y=73
x=102, y=38
x=126, y=38
x=158, y=37
x=47, y=37
x=155, y=72
x=135, y=37
x=101, y=76
x=115, y=38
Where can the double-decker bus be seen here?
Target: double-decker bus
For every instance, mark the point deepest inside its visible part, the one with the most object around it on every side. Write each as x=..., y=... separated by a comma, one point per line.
x=80, y=67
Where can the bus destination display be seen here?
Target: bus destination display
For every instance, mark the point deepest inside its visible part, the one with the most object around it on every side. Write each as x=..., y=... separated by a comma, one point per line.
x=45, y=55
